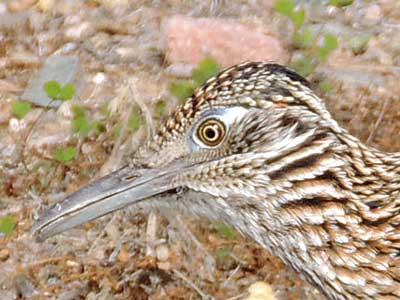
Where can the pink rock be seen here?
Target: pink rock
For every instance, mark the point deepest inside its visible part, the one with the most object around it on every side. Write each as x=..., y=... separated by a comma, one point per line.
x=189, y=40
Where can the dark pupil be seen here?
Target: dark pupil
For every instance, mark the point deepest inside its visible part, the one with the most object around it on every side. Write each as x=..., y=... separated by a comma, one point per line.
x=210, y=133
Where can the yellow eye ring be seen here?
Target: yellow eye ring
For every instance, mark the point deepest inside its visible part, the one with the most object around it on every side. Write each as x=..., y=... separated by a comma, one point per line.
x=211, y=132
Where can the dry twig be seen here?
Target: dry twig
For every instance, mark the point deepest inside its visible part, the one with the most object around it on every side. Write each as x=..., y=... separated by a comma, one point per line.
x=192, y=285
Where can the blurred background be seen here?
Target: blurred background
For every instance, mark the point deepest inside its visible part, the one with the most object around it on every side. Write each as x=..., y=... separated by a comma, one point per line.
x=82, y=83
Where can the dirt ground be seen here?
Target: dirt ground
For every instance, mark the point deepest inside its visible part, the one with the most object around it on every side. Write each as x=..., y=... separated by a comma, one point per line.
x=121, y=47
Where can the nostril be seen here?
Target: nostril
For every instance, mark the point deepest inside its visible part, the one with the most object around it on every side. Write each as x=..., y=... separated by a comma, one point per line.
x=130, y=177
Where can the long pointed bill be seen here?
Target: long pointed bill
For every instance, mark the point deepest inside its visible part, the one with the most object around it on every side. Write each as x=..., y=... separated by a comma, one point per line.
x=107, y=194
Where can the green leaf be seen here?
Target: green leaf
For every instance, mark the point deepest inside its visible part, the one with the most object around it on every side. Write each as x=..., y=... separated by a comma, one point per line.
x=225, y=231
x=7, y=224
x=67, y=92
x=298, y=17
x=284, y=7
x=80, y=122
x=55, y=91
x=135, y=120
x=222, y=253
x=331, y=41
x=304, y=66
x=64, y=155
x=160, y=108
x=52, y=88
x=104, y=110
x=303, y=40
x=78, y=111
x=181, y=89
x=330, y=44
x=81, y=125
x=99, y=126
x=20, y=108
x=325, y=86
x=359, y=44
x=117, y=130
x=340, y=3
x=323, y=53
x=206, y=69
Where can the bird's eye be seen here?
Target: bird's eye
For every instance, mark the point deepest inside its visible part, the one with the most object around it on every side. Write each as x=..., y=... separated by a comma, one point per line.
x=211, y=132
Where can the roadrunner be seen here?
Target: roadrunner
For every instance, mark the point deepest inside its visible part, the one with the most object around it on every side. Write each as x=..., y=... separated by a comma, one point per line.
x=255, y=147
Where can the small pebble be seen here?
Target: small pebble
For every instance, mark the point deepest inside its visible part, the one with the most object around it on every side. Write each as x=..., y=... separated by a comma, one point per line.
x=123, y=255
x=19, y=5
x=78, y=31
x=3, y=8
x=66, y=48
x=16, y=125
x=99, y=78
x=4, y=254
x=86, y=148
x=65, y=110
x=52, y=280
x=261, y=291
x=126, y=53
x=112, y=232
x=164, y=265
x=98, y=254
x=162, y=252
x=71, y=263
x=373, y=13
x=46, y=5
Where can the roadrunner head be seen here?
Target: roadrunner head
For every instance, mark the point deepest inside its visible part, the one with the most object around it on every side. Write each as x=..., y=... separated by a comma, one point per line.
x=222, y=154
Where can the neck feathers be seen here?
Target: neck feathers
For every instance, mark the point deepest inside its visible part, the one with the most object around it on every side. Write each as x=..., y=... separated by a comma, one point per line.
x=338, y=203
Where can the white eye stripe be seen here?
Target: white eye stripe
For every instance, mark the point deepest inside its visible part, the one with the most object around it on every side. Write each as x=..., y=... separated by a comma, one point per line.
x=233, y=114
x=226, y=116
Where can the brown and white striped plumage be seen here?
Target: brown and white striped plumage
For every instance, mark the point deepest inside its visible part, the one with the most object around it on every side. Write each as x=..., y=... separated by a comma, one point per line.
x=286, y=175
x=289, y=177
